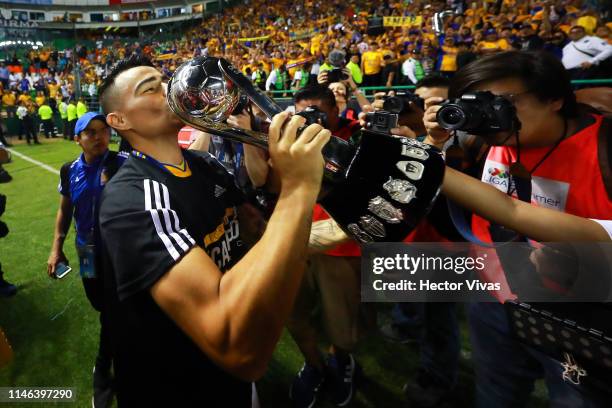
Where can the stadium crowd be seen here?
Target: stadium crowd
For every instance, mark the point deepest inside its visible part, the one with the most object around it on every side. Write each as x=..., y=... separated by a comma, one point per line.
x=284, y=45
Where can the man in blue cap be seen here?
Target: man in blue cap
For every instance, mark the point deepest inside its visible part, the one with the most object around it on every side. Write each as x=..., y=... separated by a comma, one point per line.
x=81, y=184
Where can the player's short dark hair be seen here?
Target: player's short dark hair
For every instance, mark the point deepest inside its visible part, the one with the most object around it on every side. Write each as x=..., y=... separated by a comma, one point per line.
x=433, y=81
x=105, y=91
x=541, y=72
x=318, y=92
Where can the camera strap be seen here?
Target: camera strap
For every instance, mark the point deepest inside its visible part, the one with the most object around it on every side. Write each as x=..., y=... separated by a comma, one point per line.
x=454, y=158
x=520, y=177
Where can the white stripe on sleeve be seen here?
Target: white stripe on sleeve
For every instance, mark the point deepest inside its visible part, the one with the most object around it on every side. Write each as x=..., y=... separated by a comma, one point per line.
x=156, y=221
x=165, y=211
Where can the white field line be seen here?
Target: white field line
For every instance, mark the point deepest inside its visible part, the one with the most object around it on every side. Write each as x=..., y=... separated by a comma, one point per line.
x=36, y=162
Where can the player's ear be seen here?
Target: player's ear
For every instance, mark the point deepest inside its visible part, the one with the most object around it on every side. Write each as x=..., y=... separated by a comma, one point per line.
x=117, y=121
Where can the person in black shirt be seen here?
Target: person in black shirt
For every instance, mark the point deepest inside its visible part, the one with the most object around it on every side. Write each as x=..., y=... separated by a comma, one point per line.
x=194, y=315
x=528, y=39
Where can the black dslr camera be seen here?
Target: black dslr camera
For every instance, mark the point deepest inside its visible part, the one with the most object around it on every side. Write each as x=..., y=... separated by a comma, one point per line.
x=381, y=121
x=336, y=75
x=478, y=113
x=313, y=114
x=400, y=103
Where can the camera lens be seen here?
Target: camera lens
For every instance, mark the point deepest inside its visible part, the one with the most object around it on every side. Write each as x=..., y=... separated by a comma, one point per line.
x=451, y=117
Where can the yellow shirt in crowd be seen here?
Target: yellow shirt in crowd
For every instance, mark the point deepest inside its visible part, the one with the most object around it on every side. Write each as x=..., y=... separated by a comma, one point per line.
x=24, y=98
x=494, y=45
x=371, y=62
x=449, y=59
x=8, y=99
x=53, y=88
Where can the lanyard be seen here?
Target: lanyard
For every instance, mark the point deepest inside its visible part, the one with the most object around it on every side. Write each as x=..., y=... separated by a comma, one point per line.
x=520, y=177
x=238, y=152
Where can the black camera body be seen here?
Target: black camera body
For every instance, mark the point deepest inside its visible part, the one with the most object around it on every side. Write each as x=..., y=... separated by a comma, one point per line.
x=381, y=121
x=400, y=103
x=313, y=114
x=478, y=113
x=336, y=75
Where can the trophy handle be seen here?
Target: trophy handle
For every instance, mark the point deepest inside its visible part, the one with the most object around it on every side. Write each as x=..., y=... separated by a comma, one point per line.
x=263, y=101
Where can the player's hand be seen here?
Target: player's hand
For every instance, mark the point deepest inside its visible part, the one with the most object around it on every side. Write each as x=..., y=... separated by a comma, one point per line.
x=298, y=160
x=404, y=131
x=55, y=258
x=242, y=120
x=349, y=83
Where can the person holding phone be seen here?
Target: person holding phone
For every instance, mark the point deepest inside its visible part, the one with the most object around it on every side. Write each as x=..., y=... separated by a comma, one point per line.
x=81, y=184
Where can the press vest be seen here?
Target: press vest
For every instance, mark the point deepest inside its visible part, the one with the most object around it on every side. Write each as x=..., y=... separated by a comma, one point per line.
x=304, y=79
x=281, y=79
x=569, y=180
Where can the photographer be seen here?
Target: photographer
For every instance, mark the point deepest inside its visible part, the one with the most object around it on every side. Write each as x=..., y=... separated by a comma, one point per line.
x=557, y=146
x=81, y=184
x=324, y=100
x=410, y=106
x=432, y=325
x=343, y=88
x=332, y=280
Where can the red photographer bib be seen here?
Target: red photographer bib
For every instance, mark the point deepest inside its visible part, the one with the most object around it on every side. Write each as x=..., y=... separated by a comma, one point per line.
x=569, y=180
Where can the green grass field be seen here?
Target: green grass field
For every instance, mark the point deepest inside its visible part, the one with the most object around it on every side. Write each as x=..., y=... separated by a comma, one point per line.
x=54, y=330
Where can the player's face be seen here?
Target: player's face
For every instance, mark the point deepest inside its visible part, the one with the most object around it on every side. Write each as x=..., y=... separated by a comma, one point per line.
x=94, y=138
x=143, y=103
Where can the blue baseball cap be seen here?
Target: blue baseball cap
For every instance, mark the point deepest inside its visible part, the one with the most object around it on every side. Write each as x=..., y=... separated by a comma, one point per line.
x=85, y=119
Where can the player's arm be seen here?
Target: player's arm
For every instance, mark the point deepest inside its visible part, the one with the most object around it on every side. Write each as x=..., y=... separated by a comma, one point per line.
x=255, y=158
x=63, y=219
x=539, y=223
x=325, y=235
x=201, y=142
x=236, y=318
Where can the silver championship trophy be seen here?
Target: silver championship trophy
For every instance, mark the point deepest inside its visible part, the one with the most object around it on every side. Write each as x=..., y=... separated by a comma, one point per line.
x=377, y=190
